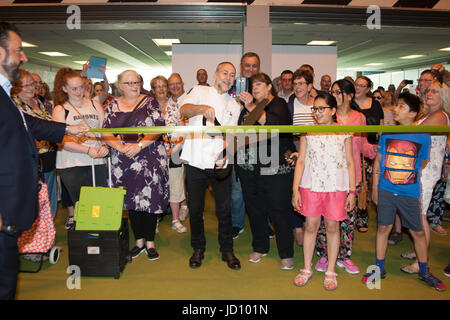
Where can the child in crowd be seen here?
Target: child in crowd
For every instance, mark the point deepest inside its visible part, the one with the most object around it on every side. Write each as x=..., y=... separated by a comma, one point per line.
x=396, y=186
x=324, y=185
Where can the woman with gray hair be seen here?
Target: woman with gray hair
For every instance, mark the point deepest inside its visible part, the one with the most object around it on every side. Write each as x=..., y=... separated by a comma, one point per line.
x=138, y=161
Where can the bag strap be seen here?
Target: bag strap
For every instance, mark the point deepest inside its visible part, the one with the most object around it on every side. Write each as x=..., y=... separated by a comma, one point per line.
x=132, y=112
x=256, y=113
x=79, y=113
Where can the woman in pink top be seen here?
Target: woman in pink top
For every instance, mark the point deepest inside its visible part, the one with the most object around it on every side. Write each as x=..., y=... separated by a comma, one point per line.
x=344, y=92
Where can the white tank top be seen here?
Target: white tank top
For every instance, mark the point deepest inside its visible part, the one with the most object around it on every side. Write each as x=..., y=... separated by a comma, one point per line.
x=68, y=159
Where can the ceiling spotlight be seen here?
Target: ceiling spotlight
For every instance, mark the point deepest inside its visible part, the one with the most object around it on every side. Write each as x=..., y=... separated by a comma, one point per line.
x=412, y=56
x=165, y=42
x=374, y=64
x=320, y=43
x=445, y=49
x=54, y=54
x=26, y=44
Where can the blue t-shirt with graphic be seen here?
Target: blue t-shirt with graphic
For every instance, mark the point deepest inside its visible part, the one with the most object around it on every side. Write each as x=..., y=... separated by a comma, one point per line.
x=401, y=161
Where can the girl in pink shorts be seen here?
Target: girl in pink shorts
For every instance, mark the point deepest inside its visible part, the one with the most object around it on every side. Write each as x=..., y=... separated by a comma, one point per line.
x=324, y=185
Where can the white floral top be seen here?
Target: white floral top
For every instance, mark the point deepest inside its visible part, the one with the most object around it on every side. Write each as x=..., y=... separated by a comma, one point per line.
x=325, y=163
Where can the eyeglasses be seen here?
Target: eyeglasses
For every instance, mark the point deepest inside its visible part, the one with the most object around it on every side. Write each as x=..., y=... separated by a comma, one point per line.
x=320, y=109
x=299, y=83
x=32, y=84
x=377, y=97
x=424, y=80
x=336, y=92
x=360, y=85
x=135, y=83
x=433, y=91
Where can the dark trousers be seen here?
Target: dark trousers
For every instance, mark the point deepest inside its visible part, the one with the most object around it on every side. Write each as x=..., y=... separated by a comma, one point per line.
x=9, y=266
x=76, y=177
x=196, y=186
x=143, y=225
x=269, y=196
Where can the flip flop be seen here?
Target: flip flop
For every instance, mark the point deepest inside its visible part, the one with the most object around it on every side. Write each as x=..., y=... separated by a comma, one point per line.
x=409, y=270
x=408, y=255
x=439, y=230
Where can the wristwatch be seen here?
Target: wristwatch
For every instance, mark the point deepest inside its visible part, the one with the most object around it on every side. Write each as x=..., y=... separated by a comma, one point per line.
x=141, y=145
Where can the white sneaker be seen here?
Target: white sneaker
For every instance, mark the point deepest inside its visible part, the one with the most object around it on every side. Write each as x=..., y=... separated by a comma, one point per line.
x=176, y=225
x=184, y=212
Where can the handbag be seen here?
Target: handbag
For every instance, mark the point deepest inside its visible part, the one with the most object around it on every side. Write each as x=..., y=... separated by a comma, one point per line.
x=47, y=161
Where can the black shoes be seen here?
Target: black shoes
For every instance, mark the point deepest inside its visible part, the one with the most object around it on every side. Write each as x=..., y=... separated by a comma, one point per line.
x=236, y=231
x=231, y=260
x=136, y=251
x=196, y=260
x=152, y=254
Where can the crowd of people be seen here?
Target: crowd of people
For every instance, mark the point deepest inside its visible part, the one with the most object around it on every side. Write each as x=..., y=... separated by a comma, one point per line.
x=316, y=195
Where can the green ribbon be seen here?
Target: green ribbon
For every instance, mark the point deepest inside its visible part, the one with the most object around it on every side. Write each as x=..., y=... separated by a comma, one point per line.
x=278, y=129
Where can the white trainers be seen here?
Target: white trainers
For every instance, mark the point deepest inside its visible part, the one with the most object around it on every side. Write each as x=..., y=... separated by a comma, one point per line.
x=184, y=212
x=176, y=225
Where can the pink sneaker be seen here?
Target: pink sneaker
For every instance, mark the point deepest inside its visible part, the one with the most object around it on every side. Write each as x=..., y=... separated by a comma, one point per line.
x=348, y=265
x=322, y=264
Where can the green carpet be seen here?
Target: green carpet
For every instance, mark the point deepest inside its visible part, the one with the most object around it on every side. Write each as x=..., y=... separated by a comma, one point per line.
x=171, y=278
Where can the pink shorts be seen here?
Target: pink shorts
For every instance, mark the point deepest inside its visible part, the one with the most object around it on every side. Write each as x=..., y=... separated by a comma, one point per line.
x=330, y=205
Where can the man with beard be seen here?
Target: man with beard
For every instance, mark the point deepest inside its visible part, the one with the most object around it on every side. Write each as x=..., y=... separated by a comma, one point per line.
x=200, y=153
x=18, y=160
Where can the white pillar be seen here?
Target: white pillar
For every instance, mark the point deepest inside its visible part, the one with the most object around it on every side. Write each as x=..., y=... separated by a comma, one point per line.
x=258, y=35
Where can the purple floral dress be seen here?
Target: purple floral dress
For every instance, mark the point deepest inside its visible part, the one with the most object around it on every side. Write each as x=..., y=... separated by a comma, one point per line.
x=146, y=175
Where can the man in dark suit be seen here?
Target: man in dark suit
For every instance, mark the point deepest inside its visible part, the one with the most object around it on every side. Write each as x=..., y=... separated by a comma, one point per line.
x=18, y=159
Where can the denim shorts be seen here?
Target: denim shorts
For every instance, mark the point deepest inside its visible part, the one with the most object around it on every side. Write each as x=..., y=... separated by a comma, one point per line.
x=408, y=207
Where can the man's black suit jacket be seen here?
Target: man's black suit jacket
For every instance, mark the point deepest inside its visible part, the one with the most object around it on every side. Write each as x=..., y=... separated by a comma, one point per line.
x=19, y=162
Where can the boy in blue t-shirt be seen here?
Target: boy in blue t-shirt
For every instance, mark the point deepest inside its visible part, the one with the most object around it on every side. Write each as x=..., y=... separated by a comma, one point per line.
x=396, y=186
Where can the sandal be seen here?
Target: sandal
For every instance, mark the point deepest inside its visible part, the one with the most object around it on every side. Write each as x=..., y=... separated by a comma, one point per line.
x=408, y=255
x=330, y=282
x=394, y=238
x=433, y=281
x=363, y=229
x=409, y=269
x=302, y=278
x=439, y=230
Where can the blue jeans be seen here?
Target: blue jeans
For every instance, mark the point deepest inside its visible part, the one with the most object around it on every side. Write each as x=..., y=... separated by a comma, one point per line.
x=52, y=186
x=237, y=202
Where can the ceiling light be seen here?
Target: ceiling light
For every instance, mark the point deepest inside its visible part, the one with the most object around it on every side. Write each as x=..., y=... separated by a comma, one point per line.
x=320, y=43
x=165, y=42
x=413, y=56
x=445, y=49
x=54, y=54
x=26, y=44
x=80, y=62
x=169, y=53
x=374, y=64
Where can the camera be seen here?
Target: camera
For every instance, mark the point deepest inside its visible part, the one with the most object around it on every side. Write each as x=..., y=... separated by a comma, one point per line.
x=408, y=81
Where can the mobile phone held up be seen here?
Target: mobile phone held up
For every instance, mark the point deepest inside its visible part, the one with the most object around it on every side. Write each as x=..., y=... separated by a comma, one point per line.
x=408, y=82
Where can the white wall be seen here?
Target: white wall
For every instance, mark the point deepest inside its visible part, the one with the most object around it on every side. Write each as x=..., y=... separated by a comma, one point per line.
x=188, y=58
x=322, y=58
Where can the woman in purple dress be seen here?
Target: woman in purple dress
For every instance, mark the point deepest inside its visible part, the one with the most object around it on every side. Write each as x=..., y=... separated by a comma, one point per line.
x=138, y=161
